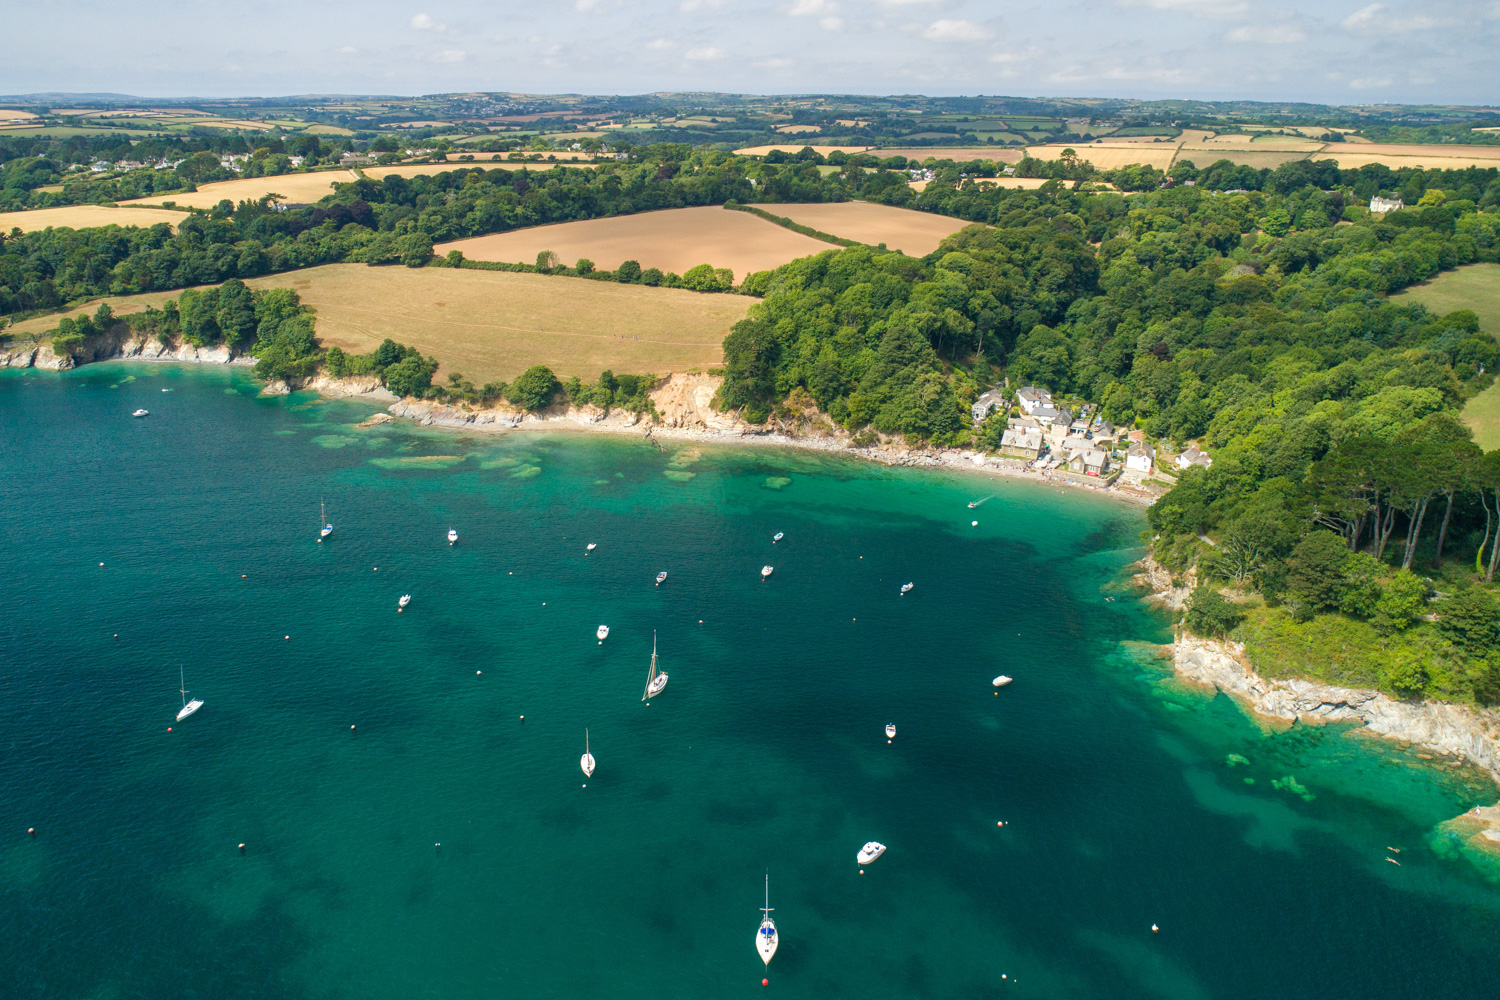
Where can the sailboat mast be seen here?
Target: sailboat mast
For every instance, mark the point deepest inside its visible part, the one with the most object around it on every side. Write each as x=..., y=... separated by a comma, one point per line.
x=767, y=908
x=182, y=683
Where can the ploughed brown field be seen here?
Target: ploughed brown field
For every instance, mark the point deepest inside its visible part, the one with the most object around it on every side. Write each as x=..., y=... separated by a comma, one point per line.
x=297, y=189
x=674, y=239
x=494, y=325
x=84, y=217
x=914, y=233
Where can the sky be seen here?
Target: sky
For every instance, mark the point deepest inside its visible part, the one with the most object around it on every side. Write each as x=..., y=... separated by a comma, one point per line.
x=1325, y=51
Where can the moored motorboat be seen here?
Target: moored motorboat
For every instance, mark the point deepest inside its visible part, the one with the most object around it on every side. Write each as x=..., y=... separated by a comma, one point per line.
x=766, y=571
x=591, y=546
x=777, y=537
x=661, y=578
x=586, y=762
x=403, y=600
x=141, y=413
x=765, y=936
x=906, y=588
x=452, y=535
x=188, y=707
x=890, y=731
x=655, y=679
x=602, y=632
x=1000, y=681
x=870, y=852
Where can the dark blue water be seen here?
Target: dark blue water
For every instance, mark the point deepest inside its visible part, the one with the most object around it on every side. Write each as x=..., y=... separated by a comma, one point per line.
x=766, y=751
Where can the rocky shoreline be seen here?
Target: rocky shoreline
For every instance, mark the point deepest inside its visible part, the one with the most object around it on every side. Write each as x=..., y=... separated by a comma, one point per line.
x=1456, y=732
x=40, y=355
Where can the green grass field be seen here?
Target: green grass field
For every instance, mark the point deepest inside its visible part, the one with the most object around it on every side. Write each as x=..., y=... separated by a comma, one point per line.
x=1475, y=287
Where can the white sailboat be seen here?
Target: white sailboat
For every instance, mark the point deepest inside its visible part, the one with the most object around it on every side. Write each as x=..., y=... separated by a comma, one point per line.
x=655, y=679
x=327, y=528
x=602, y=632
x=766, y=571
x=587, y=760
x=765, y=937
x=452, y=535
x=188, y=707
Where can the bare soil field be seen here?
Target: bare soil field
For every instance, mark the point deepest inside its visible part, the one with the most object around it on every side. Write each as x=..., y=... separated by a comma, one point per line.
x=494, y=325
x=914, y=233
x=298, y=189
x=85, y=216
x=673, y=240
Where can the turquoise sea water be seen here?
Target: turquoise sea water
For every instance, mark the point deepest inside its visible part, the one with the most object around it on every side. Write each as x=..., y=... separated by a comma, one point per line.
x=765, y=752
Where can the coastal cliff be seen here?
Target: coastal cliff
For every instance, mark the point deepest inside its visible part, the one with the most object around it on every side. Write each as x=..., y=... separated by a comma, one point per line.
x=40, y=355
x=1468, y=734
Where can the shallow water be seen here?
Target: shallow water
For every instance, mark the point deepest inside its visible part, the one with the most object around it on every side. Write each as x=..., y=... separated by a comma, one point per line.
x=766, y=751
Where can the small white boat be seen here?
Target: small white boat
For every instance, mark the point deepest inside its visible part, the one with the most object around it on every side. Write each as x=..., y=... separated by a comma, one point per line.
x=1000, y=681
x=655, y=679
x=906, y=587
x=661, y=578
x=141, y=413
x=870, y=852
x=587, y=760
x=166, y=390
x=777, y=537
x=403, y=601
x=452, y=535
x=188, y=707
x=591, y=546
x=890, y=732
x=976, y=503
x=327, y=528
x=765, y=936
x=602, y=632
x=766, y=571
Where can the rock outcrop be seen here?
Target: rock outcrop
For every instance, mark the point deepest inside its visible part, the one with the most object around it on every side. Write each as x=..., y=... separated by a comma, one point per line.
x=1163, y=588
x=40, y=355
x=1469, y=733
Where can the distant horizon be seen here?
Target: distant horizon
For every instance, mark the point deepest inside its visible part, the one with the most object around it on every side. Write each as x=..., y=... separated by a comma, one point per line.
x=53, y=97
x=1328, y=52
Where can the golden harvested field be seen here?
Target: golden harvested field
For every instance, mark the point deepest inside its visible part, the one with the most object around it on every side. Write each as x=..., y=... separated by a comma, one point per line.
x=1451, y=157
x=792, y=147
x=1258, y=158
x=85, y=216
x=10, y=114
x=494, y=325
x=959, y=154
x=295, y=188
x=673, y=240
x=1112, y=157
x=916, y=234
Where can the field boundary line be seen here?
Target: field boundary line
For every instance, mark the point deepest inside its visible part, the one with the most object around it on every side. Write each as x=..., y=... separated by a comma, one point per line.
x=796, y=227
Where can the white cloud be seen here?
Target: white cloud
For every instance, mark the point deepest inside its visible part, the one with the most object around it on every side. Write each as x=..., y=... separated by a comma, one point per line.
x=903, y=3
x=1196, y=8
x=449, y=56
x=1376, y=19
x=706, y=54
x=810, y=8
x=424, y=22
x=346, y=50
x=1369, y=82
x=688, y=6
x=660, y=45
x=1027, y=54
x=947, y=30
x=830, y=23
x=585, y=5
x=1267, y=34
